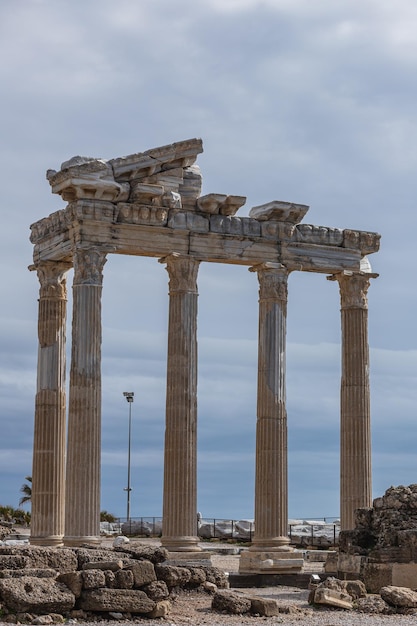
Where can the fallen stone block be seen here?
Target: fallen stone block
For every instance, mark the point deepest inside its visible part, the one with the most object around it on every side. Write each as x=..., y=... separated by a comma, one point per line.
x=97, y=555
x=36, y=573
x=173, y=576
x=12, y=561
x=143, y=572
x=60, y=559
x=154, y=554
x=113, y=566
x=231, y=602
x=157, y=590
x=93, y=578
x=198, y=576
x=123, y=579
x=355, y=588
x=265, y=607
x=116, y=600
x=36, y=595
x=73, y=581
x=399, y=596
x=332, y=597
x=216, y=576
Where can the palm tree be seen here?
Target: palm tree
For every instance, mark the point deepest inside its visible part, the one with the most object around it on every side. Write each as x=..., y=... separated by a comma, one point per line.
x=105, y=516
x=6, y=513
x=26, y=489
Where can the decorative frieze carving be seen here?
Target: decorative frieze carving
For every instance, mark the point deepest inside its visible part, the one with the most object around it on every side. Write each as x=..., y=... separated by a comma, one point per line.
x=186, y=220
x=361, y=240
x=318, y=235
x=139, y=214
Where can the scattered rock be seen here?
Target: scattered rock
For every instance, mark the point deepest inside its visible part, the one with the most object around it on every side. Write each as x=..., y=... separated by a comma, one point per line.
x=265, y=607
x=399, y=597
x=162, y=609
x=120, y=541
x=231, y=602
x=332, y=597
x=372, y=603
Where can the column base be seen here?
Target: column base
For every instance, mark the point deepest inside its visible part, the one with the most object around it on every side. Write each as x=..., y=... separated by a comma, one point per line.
x=181, y=544
x=52, y=541
x=280, y=544
x=77, y=542
x=270, y=561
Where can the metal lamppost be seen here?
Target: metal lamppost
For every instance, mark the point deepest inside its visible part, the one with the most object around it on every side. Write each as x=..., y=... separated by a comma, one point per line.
x=129, y=397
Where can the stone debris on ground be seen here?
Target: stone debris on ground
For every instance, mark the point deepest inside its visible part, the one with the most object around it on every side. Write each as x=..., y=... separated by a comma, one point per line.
x=134, y=581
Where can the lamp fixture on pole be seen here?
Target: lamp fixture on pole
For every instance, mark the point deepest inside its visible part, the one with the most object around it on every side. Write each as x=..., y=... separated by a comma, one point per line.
x=129, y=397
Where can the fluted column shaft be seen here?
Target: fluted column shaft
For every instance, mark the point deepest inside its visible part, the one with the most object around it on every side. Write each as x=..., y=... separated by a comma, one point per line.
x=82, y=519
x=355, y=413
x=48, y=470
x=180, y=460
x=271, y=482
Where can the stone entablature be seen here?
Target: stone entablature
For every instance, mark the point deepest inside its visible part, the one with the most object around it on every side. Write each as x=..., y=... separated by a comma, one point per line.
x=116, y=202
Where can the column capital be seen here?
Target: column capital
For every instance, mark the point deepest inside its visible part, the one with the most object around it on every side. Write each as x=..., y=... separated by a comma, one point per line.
x=353, y=288
x=51, y=275
x=182, y=272
x=88, y=266
x=273, y=280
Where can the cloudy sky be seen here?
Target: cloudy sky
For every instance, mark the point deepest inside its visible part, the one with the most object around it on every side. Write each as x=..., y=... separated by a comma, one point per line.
x=310, y=102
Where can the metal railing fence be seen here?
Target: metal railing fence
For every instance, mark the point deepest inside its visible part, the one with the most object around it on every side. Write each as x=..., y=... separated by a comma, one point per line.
x=320, y=532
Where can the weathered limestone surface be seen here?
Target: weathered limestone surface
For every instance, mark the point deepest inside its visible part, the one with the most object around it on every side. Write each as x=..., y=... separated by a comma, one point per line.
x=36, y=595
x=124, y=600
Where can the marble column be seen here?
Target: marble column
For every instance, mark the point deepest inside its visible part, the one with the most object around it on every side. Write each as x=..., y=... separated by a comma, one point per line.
x=270, y=551
x=271, y=483
x=355, y=414
x=179, y=532
x=48, y=471
x=82, y=515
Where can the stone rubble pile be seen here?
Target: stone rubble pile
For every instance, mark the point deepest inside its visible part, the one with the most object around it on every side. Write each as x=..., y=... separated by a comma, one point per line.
x=331, y=594
x=382, y=549
x=83, y=583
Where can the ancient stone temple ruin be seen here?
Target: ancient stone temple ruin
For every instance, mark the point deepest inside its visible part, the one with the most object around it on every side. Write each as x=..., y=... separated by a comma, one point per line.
x=150, y=204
